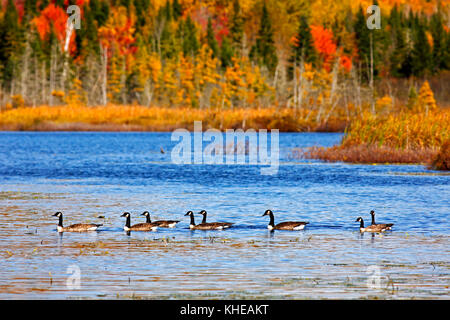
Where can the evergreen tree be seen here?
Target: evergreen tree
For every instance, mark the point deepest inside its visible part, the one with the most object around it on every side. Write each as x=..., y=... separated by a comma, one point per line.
x=421, y=55
x=398, y=57
x=303, y=49
x=264, y=51
x=237, y=26
x=226, y=52
x=100, y=11
x=141, y=13
x=177, y=9
x=190, y=43
x=371, y=43
x=439, y=42
x=10, y=42
x=211, y=39
x=168, y=39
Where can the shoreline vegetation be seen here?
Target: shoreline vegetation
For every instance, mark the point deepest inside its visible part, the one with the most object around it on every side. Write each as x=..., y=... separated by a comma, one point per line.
x=141, y=118
x=408, y=136
x=420, y=138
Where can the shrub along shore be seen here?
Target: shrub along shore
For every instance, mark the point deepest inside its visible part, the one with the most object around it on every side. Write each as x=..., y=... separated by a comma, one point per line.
x=405, y=137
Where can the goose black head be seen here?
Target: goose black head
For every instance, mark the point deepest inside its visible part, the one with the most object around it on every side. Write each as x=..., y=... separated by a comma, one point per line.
x=189, y=213
x=57, y=214
x=203, y=212
x=267, y=212
x=125, y=214
x=145, y=213
x=372, y=212
x=359, y=219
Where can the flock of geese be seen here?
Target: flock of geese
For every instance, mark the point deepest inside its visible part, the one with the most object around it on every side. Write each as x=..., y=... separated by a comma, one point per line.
x=153, y=226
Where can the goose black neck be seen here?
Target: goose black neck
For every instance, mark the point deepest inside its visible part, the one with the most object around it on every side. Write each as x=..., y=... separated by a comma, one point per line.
x=128, y=222
x=361, y=223
x=192, y=220
x=373, y=218
x=272, y=220
x=204, y=218
x=60, y=222
x=148, y=219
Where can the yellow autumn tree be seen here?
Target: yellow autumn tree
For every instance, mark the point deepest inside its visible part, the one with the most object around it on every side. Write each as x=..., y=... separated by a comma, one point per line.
x=426, y=100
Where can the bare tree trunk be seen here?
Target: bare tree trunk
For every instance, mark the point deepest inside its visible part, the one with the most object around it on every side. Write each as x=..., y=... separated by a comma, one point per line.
x=52, y=72
x=105, y=75
x=371, y=74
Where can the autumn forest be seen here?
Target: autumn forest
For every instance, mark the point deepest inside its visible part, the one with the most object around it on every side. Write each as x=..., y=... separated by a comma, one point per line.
x=296, y=65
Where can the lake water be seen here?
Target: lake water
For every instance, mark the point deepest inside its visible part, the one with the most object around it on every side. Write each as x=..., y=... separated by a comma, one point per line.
x=95, y=177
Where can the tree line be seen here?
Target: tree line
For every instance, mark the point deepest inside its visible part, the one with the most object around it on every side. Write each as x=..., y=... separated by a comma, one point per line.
x=215, y=53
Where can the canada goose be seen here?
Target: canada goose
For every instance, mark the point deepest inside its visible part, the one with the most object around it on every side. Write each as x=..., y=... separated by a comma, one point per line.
x=288, y=225
x=204, y=226
x=372, y=228
x=161, y=223
x=138, y=226
x=388, y=226
x=79, y=227
x=223, y=225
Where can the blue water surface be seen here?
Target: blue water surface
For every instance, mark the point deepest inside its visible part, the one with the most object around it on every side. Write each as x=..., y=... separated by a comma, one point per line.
x=95, y=176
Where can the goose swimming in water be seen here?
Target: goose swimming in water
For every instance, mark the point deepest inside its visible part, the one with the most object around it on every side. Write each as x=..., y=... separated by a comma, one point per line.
x=160, y=223
x=288, y=225
x=222, y=225
x=373, y=228
x=205, y=226
x=388, y=226
x=138, y=226
x=78, y=227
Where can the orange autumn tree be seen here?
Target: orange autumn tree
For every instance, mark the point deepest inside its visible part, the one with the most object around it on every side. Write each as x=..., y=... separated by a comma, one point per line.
x=326, y=47
x=324, y=44
x=54, y=19
x=118, y=42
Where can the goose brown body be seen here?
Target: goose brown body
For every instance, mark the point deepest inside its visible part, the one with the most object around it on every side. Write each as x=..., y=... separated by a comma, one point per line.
x=372, y=228
x=287, y=225
x=78, y=227
x=386, y=226
x=215, y=225
x=161, y=223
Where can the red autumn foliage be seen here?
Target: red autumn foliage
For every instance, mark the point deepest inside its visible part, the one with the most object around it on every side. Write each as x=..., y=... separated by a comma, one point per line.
x=324, y=44
x=54, y=18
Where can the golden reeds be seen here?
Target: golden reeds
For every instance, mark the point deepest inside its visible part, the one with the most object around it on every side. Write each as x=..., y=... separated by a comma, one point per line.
x=140, y=118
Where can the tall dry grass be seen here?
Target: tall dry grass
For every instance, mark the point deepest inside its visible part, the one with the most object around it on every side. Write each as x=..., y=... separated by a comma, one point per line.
x=139, y=118
x=404, y=137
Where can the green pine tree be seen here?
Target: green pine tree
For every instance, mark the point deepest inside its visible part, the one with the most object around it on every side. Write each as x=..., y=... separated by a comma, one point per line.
x=190, y=44
x=421, y=55
x=304, y=49
x=439, y=42
x=177, y=9
x=237, y=26
x=264, y=52
x=371, y=43
x=11, y=42
x=211, y=39
x=226, y=52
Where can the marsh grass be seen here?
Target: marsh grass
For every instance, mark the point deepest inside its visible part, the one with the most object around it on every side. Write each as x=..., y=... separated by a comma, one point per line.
x=139, y=118
x=406, y=137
